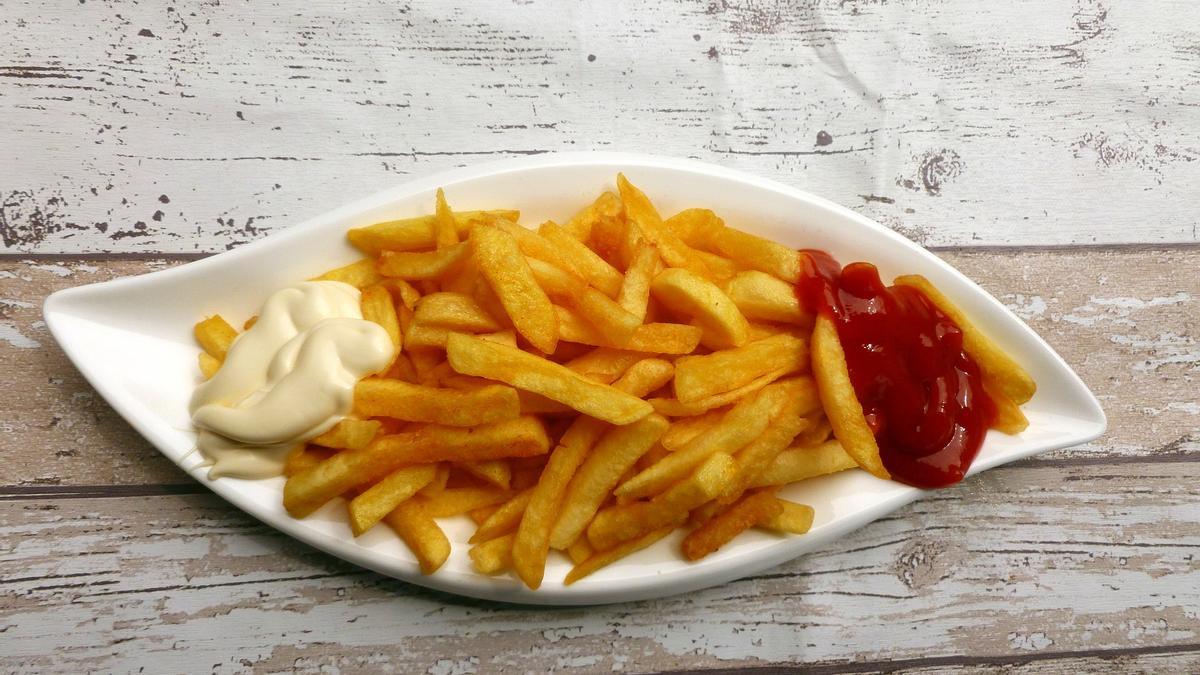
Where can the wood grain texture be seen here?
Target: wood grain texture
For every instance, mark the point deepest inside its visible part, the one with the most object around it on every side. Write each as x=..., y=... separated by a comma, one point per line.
x=197, y=126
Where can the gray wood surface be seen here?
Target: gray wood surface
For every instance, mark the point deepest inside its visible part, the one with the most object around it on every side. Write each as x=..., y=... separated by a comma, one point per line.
x=1048, y=148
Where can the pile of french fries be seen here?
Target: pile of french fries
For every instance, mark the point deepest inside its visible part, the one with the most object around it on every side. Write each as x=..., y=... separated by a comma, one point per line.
x=585, y=387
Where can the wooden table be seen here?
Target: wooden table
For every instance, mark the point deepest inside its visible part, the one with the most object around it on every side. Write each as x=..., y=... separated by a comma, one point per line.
x=1047, y=149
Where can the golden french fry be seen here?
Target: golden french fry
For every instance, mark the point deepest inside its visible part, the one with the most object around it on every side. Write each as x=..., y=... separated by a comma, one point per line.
x=693, y=226
x=604, y=558
x=359, y=274
x=675, y=408
x=454, y=311
x=440, y=479
x=508, y=275
x=634, y=293
x=579, y=550
x=604, y=364
x=619, y=523
x=582, y=260
x=684, y=430
x=377, y=306
x=842, y=408
x=607, y=207
x=473, y=356
x=686, y=293
x=304, y=458
x=723, y=269
x=532, y=403
x=818, y=432
x=425, y=265
x=415, y=234
x=753, y=459
x=496, y=472
x=503, y=520
x=215, y=335
x=700, y=377
x=793, y=518
x=445, y=230
x=615, y=453
x=645, y=376
x=306, y=491
x=1010, y=419
x=421, y=534
x=374, y=397
x=349, y=434
x=535, y=246
x=372, y=504
x=457, y=501
x=654, y=338
x=405, y=293
x=492, y=556
x=479, y=515
x=755, y=253
x=209, y=365
x=749, y=511
x=759, y=295
x=674, y=252
x=801, y=463
x=1001, y=372
x=616, y=324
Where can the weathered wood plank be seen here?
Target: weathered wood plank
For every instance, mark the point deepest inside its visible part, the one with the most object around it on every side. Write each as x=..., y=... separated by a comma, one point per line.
x=191, y=127
x=1021, y=562
x=1125, y=320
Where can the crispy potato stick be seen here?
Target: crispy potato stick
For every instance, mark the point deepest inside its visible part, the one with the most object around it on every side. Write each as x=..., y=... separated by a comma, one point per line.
x=535, y=245
x=759, y=295
x=445, y=230
x=675, y=408
x=508, y=274
x=496, y=472
x=454, y=311
x=818, y=432
x=723, y=269
x=504, y=519
x=358, y=274
x=793, y=518
x=619, y=523
x=634, y=293
x=472, y=356
x=640, y=211
x=700, y=377
x=1009, y=417
x=532, y=403
x=209, y=365
x=403, y=292
x=308, y=490
x=377, y=306
x=424, y=265
x=756, y=253
x=749, y=511
x=579, y=550
x=459, y=500
x=421, y=534
x=439, y=481
x=686, y=429
x=655, y=338
x=606, y=207
x=693, y=226
x=533, y=535
x=349, y=434
x=492, y=556
x=604, y=558
x=800, y=463
x=451, y=407
x=616, y=324
x=482, y=513
x=614, y=454
x=215, y=335
x=755, y=457
x=415, y=234
x=694, y=296
x=842, y=408
x=583, y=260
x=604, y=364
x=645, y=376
x=1000, y=371
x=304, y=458
x=372, y=504
x=741, y=425
x=419, y=337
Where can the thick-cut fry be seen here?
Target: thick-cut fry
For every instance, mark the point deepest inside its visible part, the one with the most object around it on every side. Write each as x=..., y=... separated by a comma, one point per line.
x=445, y=230
x=418, y=403
x=755, y=457
x=693, y=226
x=759, y=295
x=616, y=324
x=496, y=472
x=841, y=404
x=1010, y=419
x=440, y=479
x=583, y=260
x=674, y=252
x=415, y=234
x=349, y=434
x=532, y=403
x=604, y=364
x=215, y=335
x=359, y=274
x=634, y=293
x=424, y=265
x=308, y=490
x=508, y=274
x=801, y=463
x=454, y=311
x=579, y=550
x=694, y=296
x=504, y=519
x=723, y=269
x=619, y=523
x=645, y=376
x=606, y=207
x=535, y=245
x=492, y=556
x=686, y=429
x=721, y=529
x=304, y=458
x=605, y=558
x=793, y=518
x=472, y=356
x=741, y=425
x=699, y=377
x=655, y=338
x=616, y=452
x=372, y=504
x=482, y=513
x=1001, y=372
x=457, y=501
x=209, y=365
x=377, y=306
x=421, y=533
x=818, y=432
x=756, y=253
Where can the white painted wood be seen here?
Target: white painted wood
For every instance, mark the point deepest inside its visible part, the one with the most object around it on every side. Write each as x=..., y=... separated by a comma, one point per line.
x=195, y=126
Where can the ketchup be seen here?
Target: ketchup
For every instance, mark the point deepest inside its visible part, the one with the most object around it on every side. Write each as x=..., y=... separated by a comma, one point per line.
x=921, y=393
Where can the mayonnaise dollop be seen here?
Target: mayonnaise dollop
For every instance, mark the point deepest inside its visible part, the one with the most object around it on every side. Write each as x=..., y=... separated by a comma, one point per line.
x=289, y=378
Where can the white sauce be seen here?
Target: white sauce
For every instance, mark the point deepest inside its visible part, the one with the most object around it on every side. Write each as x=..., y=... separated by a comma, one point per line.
x=289, y=378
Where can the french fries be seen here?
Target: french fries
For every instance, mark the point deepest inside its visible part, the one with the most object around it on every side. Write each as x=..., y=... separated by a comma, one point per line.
x=749, y=511
x=215, y=335
x=374, y=397
x=697, y=298
x=699, y=377
x=510, y=279
x=841, y=404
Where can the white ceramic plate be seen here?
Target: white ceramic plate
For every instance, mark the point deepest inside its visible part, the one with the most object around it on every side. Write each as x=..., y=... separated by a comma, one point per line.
x=132, y=339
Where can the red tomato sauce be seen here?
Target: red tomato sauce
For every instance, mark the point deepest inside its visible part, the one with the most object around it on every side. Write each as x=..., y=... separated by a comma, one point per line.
x=921, y=393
